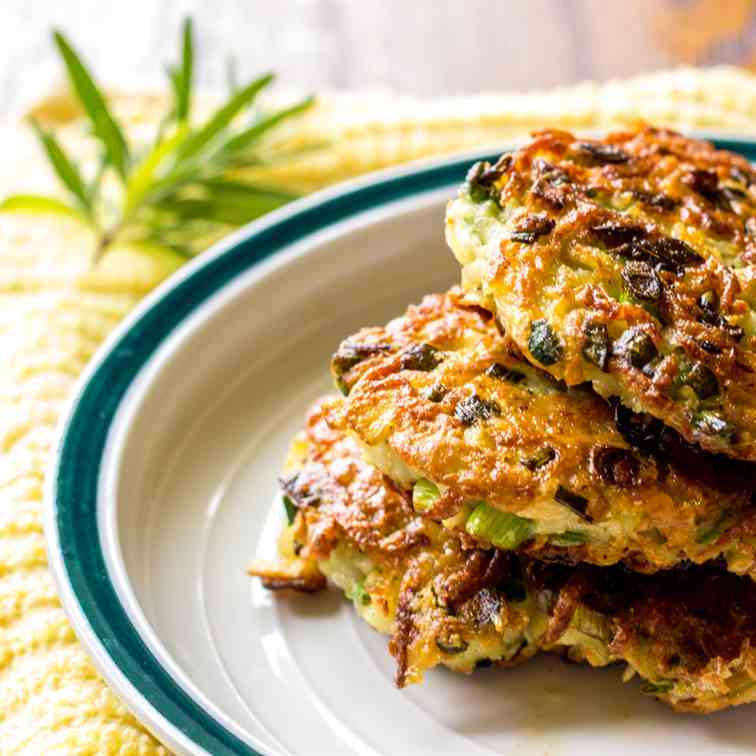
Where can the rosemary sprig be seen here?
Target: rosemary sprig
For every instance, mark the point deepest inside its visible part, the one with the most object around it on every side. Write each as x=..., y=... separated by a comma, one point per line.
x=178, y=192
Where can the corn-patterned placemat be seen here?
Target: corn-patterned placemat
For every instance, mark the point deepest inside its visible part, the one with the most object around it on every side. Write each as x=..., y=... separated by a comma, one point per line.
x=55, y=310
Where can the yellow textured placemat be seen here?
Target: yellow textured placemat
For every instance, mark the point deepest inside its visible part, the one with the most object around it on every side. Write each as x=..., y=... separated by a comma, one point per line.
x=55, y=311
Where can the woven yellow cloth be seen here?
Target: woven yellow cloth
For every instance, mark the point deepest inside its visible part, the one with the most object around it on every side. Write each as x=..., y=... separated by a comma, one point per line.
x=55, y=311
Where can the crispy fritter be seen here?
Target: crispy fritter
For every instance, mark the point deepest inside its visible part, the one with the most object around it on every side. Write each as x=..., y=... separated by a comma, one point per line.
x=628, y=262
x=407, y=576
x=689, y=633
x=442, y=401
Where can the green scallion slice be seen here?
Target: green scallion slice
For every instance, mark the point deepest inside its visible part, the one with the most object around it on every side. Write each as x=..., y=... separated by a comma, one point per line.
x=652, y=688
x=568, y=538
x=502, y=529
x=291, y=509
x=359, y=595
x=711, y=532
x=424, y=495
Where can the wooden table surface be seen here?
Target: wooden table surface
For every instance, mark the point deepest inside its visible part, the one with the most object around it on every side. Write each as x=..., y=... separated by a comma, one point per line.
x=416, y=46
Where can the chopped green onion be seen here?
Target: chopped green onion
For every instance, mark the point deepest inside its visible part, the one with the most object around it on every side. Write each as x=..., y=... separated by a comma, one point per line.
x=540, y=458
x=473, y=408
x=568, y=538
x=455, y=645
x=637, y=347
x=502, y=529
x=597, y=346
x=591, y=623
x=421, y=357
x=544, y=344
x=654, y=535
x=591, y=631
x=291, y=509
x=424, y=495
x=711, y=531
x=503, y=373
x=573, y=501
x=703, y=381
x=359, y=595
x=650, y=688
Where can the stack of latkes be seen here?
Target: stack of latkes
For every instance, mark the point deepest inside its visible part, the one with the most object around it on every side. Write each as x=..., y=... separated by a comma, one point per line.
x=560, y=455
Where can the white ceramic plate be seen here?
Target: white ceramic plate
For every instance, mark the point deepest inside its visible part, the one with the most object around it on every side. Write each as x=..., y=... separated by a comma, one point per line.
x=164, y=488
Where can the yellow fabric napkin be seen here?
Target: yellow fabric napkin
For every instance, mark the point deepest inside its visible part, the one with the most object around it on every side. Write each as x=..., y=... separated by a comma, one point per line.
x=55, y=310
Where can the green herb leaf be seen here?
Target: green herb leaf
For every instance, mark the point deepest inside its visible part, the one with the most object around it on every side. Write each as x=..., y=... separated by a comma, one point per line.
x=151, y=241
x=37, y=203
x=224, y=204
x=104, y=125
x=184, y=81
x=64, y=168
x=181, y=76
x=247, y=137
x=178, y=193
x=223, y=117
x=143, y=179
x=242, y=190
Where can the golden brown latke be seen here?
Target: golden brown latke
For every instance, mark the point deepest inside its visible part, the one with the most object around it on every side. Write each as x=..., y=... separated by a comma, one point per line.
x=689, y=633
x=629, y=262
x=408, y=577
x=441, y=400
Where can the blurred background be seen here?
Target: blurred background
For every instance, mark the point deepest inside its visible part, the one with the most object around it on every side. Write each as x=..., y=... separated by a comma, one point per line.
x=411, y=46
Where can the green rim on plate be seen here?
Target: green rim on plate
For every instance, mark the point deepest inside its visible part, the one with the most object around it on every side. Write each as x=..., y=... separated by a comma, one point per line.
x=83, y=438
